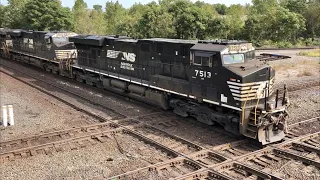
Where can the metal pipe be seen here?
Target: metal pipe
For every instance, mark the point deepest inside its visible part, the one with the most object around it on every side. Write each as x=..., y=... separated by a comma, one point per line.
x=277, y=94
x=284, y=95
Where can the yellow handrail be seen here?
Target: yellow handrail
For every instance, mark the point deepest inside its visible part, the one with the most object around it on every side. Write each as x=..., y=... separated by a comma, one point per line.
x=6, y=50
x=244, y=105
x=255, y=112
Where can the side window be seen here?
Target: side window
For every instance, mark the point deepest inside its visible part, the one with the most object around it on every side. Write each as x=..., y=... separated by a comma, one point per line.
x=204, y=59
x=250, y=55
x=197, y=60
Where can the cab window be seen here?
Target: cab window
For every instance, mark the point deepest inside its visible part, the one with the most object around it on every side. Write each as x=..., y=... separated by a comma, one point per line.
x=203, y=59
x=233, y=58
x=250, y=55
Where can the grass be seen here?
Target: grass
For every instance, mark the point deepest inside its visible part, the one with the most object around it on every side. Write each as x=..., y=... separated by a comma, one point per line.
x=313, y=53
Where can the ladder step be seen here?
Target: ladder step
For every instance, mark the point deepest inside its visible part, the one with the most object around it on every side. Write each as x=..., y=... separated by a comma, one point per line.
x=258, y=113
x=252, y=118
x=250, y=134
x=252, y=128
x=251, y=123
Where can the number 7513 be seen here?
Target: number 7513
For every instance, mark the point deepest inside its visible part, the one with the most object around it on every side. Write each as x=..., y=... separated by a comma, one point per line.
x=205, y=74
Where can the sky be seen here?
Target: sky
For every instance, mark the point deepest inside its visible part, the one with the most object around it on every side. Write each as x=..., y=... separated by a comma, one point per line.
x=128, y=3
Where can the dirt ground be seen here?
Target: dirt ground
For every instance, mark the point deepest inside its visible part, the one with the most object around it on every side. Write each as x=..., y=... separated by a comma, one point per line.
x=297, y=70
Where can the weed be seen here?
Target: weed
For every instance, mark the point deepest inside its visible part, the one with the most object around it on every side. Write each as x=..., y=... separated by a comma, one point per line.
x=313, y=53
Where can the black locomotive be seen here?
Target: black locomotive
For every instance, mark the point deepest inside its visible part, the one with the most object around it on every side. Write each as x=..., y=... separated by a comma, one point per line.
x=213, y=81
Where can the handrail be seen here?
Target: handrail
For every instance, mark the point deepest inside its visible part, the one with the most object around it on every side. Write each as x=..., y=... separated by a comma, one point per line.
x=255, y=112
x=6, y=50
x=244, y=105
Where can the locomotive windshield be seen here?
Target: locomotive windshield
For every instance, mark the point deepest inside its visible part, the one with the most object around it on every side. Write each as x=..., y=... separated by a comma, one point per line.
x=233, y=58
x=238, y=58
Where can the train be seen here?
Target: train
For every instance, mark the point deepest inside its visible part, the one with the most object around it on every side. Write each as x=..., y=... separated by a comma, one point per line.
x=214, y=81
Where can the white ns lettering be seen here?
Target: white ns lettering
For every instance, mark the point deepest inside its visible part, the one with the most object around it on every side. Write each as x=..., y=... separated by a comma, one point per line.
x=203, y=74
x=129, y=57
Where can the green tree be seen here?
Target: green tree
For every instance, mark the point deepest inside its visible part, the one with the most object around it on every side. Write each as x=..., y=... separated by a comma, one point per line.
x=129, y=25
x=47, y=15
x=114, y=16
x=235, y=20
x=221, y=8
x=155, y=22
x=2, y=18
x=13, y=15
x=275, y=23
x=97, y=7
x=312, y=17
x=297, y=6
x=81, y=17
x=190, y=21
x=97, y=21
x=217, y=28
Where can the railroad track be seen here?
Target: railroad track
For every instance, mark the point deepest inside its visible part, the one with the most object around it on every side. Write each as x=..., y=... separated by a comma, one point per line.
x=269, y=163
x=297, y=48
x=304, y=127
x=236, y=160
x=100, y=118
x=187, y=160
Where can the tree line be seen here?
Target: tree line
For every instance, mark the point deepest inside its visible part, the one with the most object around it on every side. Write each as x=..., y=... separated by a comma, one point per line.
x=264, y=22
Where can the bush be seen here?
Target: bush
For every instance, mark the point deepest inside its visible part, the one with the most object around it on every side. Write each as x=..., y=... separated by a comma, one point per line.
x=308, y=42
x=284, y=44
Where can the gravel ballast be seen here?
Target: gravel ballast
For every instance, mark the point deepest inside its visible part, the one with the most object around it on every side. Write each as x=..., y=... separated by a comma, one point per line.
x=99, y=161
x=35, y=112
x=299, y=71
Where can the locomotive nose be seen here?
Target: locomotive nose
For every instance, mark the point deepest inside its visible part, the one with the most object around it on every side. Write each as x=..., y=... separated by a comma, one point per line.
x=255, y=82
x=257, y=73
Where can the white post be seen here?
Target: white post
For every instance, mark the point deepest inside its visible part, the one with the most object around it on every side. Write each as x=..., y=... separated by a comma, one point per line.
x=4, y=116
x=11, y=119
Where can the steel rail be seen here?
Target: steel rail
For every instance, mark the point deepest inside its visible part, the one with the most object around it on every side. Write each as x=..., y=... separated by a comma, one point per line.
x=304, y=121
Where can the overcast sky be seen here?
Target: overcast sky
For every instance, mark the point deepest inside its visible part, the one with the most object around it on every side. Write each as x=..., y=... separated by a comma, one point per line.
x=128, y=3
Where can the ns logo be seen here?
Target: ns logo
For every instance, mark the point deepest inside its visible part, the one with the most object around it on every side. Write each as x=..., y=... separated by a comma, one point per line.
x=126, y=56
x=129, y=57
